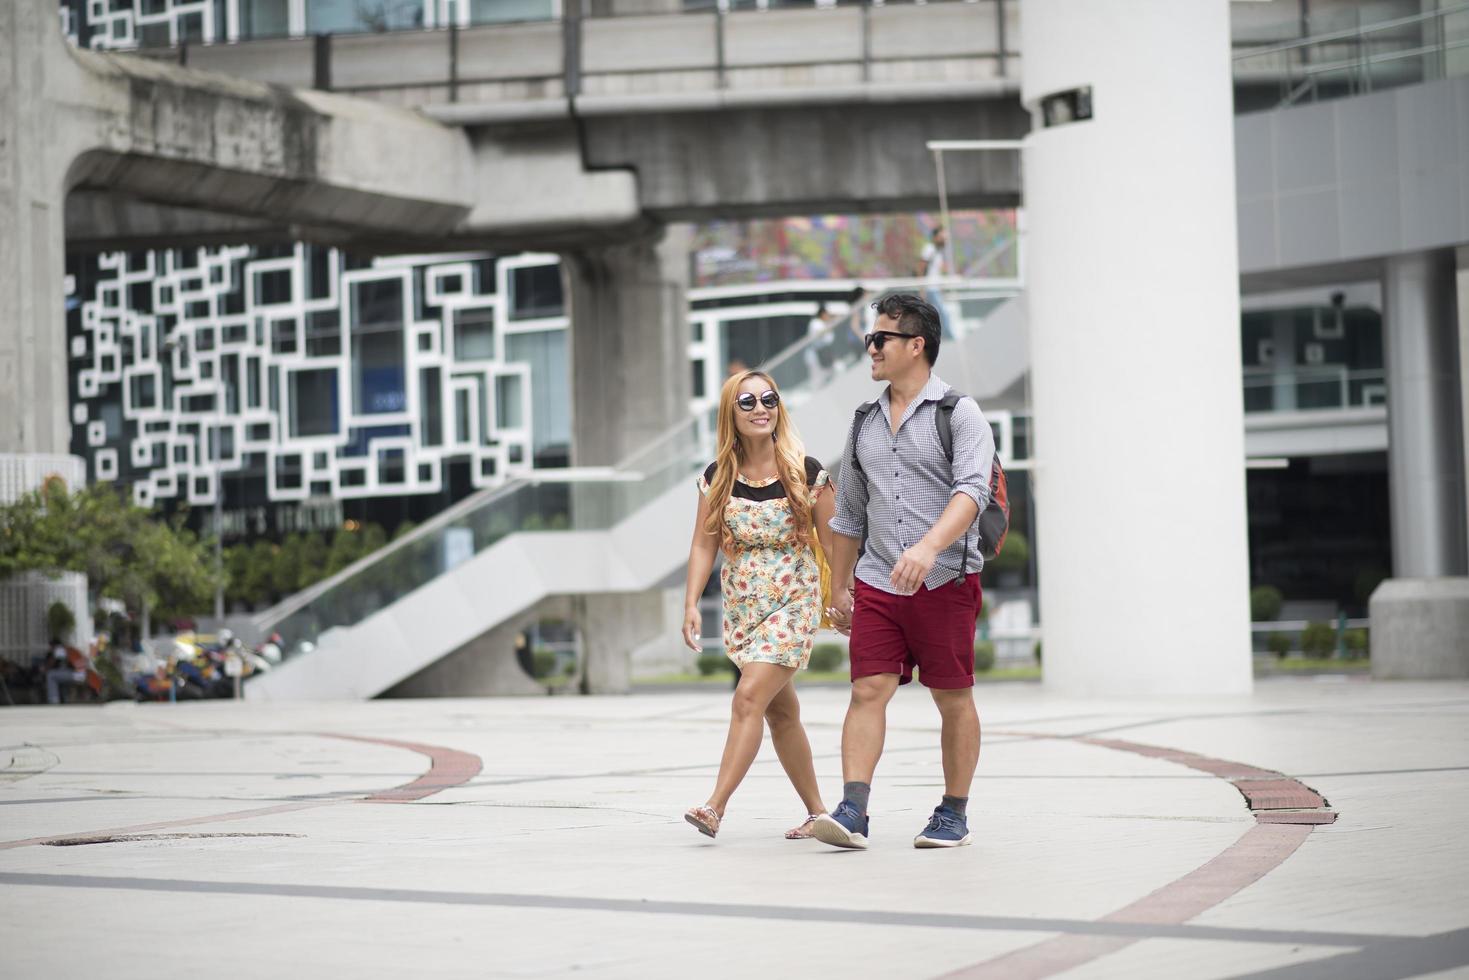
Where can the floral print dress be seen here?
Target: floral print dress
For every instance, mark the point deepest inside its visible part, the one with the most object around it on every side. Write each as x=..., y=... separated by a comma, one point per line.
x=771, y=585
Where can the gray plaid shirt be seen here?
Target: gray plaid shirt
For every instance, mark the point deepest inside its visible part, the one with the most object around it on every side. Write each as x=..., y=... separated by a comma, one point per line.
x=908, y=483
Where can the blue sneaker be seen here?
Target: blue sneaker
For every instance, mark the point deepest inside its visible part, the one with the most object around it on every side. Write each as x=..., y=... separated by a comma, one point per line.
x=844, y=827
x=945, y=829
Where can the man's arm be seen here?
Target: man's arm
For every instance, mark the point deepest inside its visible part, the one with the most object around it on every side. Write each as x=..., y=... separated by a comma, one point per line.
x=848, y=526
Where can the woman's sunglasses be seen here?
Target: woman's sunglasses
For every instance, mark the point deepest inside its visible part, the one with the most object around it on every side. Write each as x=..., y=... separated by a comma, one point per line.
x=746, y=400
x=880, y=338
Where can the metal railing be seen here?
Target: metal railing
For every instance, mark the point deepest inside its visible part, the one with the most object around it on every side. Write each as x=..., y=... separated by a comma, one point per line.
x=574, y=55
x=1313, y=388
x=1359, y=59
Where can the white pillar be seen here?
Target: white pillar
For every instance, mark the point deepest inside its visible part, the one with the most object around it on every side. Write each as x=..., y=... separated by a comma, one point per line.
x=1134, y=299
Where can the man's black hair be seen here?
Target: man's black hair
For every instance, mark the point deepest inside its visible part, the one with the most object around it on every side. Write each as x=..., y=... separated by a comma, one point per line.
x=916, y=317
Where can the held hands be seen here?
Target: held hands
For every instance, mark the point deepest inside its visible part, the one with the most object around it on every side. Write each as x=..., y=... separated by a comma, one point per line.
x=691, y=623
x=913, y=567
x=840, y=611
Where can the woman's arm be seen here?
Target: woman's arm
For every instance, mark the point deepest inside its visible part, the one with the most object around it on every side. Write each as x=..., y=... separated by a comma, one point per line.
x=822, y=511
x=701, y=563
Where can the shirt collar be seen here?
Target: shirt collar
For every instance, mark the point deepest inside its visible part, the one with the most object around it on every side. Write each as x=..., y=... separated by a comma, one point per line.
x=933, y=391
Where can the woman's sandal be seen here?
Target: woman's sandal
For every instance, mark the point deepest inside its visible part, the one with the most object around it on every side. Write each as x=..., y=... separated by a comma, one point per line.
x=704, y=818
x=804, y=831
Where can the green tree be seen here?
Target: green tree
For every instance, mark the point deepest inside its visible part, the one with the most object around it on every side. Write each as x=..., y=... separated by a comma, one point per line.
x=285, y=577
x=346, y=548
x=373, y=538
x=313, y=560
x=259, y=573
x=125, y=551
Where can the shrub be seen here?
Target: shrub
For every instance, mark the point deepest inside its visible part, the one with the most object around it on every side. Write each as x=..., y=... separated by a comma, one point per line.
x=60, y=621
x=984, y=656
x=1015, y=555
x=1265, y=603
x=543, y=663
x=1318, y=640
x=827, y=657
x=1356, y=642
x=712, y=663
x=1037, y=653
x=1279, y=644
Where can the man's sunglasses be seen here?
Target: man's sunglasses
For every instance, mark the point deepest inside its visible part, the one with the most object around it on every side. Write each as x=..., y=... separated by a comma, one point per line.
x=880, y=338
x=746, y=401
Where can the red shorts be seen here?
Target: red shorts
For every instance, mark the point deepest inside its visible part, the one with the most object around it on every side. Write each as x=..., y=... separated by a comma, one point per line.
x=933, y=629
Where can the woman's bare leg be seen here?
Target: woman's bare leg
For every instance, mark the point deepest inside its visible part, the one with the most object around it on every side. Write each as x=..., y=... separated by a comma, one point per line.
x=783, y=715
x=759, y=684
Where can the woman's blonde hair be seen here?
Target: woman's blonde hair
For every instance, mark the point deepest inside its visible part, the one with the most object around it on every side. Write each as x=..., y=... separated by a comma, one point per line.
x=790, y=462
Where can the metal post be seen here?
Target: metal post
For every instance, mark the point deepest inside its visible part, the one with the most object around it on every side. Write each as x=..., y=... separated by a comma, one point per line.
x=453, y=61
x=1000, y=33
x=322, y=65
x=219, y=503
x=571, y=51
x=719, y=47
x=866, y=40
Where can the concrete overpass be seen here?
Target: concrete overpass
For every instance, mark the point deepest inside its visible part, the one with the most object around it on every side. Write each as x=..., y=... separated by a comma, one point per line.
x=582, y=137
x=186, y=139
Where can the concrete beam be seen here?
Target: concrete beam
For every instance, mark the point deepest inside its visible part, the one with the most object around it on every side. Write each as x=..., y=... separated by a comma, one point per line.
x=862, y=157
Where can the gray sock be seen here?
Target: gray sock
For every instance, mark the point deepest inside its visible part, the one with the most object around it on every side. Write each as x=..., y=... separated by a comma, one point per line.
x=857, y=794
x=956, y=803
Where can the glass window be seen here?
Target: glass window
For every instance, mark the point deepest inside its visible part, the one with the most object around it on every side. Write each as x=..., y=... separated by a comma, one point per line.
x=430, y=411
x=314, y=402
x=508, y=401
x=346, y=16
x=545, y=352
x=506, y=11
x=536, y=292
x=474, y=335
x=264, y=18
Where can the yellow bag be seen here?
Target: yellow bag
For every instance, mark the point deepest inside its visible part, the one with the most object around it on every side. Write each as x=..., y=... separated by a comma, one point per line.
x=821, y=563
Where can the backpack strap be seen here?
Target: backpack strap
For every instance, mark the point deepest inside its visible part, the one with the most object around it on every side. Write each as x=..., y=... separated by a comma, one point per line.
x=943, y=421
x=859, y=417
x=855, y=464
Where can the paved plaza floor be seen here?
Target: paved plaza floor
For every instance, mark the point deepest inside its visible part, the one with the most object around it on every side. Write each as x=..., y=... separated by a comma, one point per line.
x=1314, y=830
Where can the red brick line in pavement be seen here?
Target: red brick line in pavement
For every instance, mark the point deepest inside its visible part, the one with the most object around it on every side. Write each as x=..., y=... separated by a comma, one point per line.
x=1286, y=811
x=447, y=768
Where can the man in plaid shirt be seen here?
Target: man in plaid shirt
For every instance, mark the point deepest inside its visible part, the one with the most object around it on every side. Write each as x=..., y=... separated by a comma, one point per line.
x=916, y=593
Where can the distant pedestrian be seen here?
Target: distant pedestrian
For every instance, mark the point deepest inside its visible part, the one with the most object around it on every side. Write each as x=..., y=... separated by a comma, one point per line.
x=65, y=667
x=818, y=339
x=916, y=588
x=934, y=263
x=760, y=503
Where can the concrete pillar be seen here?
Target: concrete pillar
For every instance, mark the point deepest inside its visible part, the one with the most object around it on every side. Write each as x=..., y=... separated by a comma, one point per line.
x=1425, y=425
x=33, y=354
x=1134, y=299
x=629, y=344
x=1462, y=316
x=612, y=626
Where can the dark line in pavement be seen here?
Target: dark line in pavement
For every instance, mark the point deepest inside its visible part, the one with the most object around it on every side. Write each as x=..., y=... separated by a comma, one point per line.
x=1391, y=959
x=1132, y=931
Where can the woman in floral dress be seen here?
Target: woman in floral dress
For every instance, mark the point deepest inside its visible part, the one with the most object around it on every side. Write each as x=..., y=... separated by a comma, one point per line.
x=771, y=583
